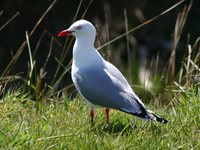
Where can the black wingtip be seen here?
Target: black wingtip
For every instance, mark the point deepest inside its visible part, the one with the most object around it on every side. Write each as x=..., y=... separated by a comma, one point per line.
x=157, y=118
x=147, y=114
x=161, y=120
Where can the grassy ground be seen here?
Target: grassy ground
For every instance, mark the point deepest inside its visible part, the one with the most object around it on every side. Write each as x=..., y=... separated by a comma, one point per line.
x=66, y=125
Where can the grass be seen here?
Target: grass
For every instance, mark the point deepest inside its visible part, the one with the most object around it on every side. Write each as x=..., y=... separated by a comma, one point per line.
x=66, y=125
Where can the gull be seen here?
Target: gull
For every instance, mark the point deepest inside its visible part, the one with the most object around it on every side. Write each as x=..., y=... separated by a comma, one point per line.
x=98, y=81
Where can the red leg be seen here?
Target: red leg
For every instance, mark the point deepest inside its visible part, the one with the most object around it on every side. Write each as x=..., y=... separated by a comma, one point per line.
x=92, y=115
x=107, y=115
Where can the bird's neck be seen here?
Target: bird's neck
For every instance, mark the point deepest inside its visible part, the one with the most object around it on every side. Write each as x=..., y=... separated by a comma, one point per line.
x=84, y=53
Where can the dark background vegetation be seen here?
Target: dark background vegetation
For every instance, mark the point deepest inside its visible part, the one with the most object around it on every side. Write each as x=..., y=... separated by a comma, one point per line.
x=156, y=37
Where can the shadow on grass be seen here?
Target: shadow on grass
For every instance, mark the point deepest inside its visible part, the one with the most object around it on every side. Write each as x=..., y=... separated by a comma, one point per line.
x=115, y=128
x=124, y=128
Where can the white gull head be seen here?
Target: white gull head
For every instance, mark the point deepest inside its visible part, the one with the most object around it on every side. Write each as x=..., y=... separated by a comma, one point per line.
x=83, y=30
x=84, y=53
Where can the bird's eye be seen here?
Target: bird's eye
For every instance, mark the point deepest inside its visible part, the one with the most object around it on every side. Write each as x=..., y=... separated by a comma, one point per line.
x=78, y=27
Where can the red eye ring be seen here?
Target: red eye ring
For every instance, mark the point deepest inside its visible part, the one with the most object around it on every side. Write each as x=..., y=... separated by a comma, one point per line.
x=78, y=27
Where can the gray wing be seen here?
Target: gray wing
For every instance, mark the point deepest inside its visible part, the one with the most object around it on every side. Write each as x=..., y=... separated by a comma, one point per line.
x=115, y=73
x=101, y=88
x=118, y=75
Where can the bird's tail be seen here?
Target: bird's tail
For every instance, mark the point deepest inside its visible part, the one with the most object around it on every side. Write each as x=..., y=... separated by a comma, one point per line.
x=153, y=116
